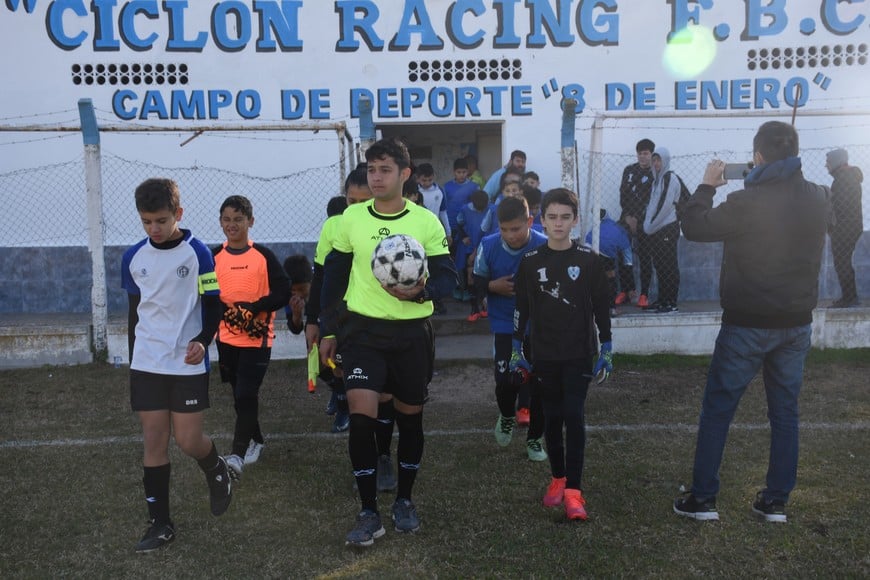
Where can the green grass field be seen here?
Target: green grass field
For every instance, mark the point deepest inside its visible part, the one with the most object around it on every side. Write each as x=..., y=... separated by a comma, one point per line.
x=72, y=502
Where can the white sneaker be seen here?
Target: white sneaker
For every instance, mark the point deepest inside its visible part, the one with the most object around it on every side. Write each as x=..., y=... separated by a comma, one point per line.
x=253, y=452
x=235, y=465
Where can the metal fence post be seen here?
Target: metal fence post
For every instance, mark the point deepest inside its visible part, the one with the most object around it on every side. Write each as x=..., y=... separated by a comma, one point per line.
x=94, y=189
x=593, y=180
x=366, y=126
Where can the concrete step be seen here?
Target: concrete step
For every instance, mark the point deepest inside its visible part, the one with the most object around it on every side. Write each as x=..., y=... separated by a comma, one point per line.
x=32, y=340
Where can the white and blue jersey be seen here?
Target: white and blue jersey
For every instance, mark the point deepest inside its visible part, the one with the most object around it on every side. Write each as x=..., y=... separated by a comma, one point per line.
x=170, y=284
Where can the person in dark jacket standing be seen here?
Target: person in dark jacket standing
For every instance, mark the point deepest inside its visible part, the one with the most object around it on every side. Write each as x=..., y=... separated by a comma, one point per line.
x=634, y=193
x=848, y=223
x=774, y=236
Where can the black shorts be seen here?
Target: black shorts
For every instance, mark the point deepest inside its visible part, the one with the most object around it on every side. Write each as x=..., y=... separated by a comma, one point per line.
x=244, y=368
x=388, y=356
x=176, y=393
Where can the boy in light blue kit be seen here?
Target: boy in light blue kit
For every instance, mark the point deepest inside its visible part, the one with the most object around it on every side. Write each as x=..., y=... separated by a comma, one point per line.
x=468, y=238
x=613, y=241
x=457, y=193
x=495, y=265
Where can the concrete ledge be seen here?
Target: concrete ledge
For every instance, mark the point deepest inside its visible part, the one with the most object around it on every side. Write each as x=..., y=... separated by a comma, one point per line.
x=695, y=333
x=29, y=340
x=28, y=346
x=286, y=345
x=677, y=333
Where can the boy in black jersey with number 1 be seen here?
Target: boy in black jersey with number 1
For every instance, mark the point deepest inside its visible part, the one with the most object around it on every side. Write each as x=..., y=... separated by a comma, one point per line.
x=562, y=293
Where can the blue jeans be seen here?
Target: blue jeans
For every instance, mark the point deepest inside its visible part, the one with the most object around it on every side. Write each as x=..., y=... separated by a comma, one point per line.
x=738, y=355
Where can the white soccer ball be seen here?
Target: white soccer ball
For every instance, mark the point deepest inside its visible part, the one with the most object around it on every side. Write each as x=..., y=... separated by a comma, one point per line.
x=399, y=260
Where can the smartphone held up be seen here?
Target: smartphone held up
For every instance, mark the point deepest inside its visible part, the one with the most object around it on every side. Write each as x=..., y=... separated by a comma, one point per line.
x=737, y=170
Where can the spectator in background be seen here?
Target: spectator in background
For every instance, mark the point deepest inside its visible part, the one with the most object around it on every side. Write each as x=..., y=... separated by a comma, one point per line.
x=774, y=236
x=457, y=192
x=663, y=229
x=533, y=197
x=509, y=186
x=474, y=173
x=432, y=196
x=531, y=179
x=613, y=242
x=411, y=191
x=634, y=192
x=468, y=236
x=300, y=272
x=517, y=162
x=848, y=223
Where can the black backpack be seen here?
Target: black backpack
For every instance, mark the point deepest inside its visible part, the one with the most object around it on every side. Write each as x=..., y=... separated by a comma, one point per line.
x=685, y=194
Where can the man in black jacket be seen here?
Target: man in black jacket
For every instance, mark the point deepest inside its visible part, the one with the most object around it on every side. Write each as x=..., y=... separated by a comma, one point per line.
x=634, y=192
x=848, y=223
x=774, y=235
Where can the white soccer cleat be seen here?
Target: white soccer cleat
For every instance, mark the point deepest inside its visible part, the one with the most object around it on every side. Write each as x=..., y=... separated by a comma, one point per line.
x=253, y=452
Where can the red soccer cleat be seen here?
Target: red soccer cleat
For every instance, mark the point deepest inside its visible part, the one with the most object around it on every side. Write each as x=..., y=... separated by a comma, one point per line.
x=523, y=417
x=621, y=298
x=574, y=505
x=555, y=492
x=643, y=301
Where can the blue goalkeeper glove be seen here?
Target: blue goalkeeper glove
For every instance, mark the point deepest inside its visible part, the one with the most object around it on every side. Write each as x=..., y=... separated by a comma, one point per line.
x=605, y=362
x=518, y=359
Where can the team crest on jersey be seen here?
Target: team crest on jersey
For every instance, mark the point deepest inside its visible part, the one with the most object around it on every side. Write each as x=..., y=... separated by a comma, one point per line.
x=574, y=272
x=182, y=271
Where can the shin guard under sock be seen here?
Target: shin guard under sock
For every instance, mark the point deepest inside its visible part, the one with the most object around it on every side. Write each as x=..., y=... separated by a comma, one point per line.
x=246, y=424
x=384, y=433
x=409, y=451
x=363, y=451
x=156, y=483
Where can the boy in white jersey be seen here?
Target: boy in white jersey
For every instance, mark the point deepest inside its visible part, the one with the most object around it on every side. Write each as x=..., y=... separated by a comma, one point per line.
x=387, y=345
x=174, y=312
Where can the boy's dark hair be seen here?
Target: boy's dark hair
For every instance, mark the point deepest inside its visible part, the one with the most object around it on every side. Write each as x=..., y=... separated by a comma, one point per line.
x=298, y=269
x=240, y=203
x=460, y=163
x=645, y=145
x=425, y=170
x=517, y=153
x=561, y=196
x=390, y=148
x=512, y=208
x=533, y=195
x=156, y=194
x=410, y=187
x=531, y=175
x=336, y=205
x=358, y=177
x=775, y=141
x=508, y=172
x=479, y=199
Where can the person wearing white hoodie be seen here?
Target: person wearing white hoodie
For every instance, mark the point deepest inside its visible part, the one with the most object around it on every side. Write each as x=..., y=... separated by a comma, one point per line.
x=663, y=228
